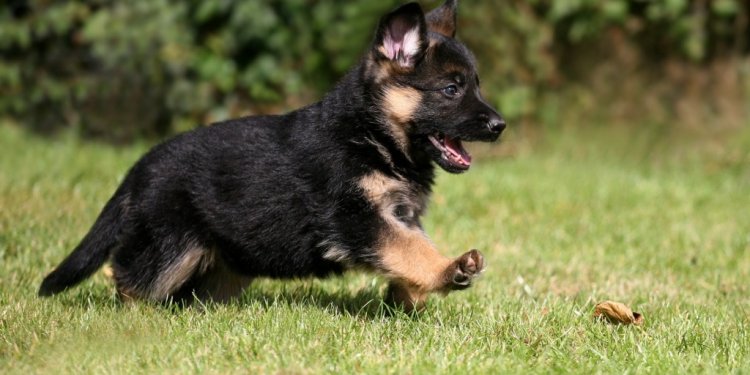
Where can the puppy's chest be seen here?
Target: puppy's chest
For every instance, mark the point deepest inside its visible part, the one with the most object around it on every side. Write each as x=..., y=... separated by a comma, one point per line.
x=397, y=201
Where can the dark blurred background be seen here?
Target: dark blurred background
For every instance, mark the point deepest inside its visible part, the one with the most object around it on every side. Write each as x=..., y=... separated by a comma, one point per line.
x=124, y=70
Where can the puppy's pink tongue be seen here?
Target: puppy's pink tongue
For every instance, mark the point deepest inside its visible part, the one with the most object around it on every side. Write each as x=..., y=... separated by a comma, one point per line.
x=457, y=151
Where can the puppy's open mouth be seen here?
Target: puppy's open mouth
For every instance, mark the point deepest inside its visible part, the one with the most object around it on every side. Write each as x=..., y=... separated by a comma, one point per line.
x=452, y=151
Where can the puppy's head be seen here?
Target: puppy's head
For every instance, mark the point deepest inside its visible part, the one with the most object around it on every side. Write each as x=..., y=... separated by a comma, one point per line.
x=427, y=85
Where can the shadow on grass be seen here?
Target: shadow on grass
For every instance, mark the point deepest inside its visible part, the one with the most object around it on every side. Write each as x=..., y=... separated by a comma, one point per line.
x=366, y=303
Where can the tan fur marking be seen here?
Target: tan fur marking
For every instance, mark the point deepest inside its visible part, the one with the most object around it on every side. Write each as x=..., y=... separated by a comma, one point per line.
x=400, y=103
x=378, y=188
x=386, y=193
x=195, y=259
x=406, y=254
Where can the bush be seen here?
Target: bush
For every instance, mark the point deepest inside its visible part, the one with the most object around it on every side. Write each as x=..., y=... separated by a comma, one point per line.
x=123, y=69
x=531, y=47
x=134, y=68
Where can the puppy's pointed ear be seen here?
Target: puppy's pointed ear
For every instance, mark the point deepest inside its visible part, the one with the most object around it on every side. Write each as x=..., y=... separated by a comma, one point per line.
x=442, y=20
x=402, y=36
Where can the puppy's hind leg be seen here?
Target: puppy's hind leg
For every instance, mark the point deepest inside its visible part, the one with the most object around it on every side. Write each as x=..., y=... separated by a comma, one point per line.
x=155, y=270
x=217, y=283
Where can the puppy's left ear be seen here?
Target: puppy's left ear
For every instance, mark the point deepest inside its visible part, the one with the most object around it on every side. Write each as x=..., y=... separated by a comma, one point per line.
x=402, y=36
x=442, y=20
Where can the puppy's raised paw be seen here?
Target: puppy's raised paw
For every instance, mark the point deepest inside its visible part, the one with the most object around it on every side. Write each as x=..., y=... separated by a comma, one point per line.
x=464, y=269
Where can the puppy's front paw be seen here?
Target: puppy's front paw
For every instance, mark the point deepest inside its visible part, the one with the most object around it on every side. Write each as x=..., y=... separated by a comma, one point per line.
x=465, y=268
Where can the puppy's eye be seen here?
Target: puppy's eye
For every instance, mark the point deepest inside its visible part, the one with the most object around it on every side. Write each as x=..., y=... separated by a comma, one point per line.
x=451, y=91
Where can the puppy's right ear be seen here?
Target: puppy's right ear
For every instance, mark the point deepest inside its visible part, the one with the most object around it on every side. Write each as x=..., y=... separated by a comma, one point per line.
x=442, y=20
x=402, y=36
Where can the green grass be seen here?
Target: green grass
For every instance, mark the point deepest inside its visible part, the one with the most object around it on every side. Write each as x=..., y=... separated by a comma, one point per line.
x=571, y=219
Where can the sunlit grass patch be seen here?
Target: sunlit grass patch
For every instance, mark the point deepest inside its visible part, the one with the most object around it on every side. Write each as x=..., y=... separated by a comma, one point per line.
x=636, y=220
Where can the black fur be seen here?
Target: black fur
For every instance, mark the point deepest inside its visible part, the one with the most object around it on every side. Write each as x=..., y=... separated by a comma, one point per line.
x=270, y=195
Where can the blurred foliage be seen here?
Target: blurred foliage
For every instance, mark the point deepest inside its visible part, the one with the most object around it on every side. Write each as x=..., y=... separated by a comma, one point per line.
x=539, y=45
x=125, y=68
x=121, y=69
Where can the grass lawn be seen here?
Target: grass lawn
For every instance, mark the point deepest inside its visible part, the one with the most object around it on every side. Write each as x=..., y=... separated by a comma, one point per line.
x=565, y=221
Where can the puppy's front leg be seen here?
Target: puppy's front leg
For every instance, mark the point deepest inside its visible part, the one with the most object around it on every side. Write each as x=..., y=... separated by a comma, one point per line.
x=416, y=268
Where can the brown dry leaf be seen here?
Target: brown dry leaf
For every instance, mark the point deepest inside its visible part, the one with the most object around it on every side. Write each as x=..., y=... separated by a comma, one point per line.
x=617, y=313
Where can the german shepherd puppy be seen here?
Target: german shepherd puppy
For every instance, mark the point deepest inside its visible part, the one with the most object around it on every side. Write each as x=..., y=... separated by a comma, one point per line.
x=336, y=185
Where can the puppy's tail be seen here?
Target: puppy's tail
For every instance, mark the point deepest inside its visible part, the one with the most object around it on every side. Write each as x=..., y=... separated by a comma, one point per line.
x=93, y=250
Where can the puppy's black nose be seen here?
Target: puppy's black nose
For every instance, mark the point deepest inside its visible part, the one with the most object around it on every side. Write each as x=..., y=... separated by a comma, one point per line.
x=495, y=123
